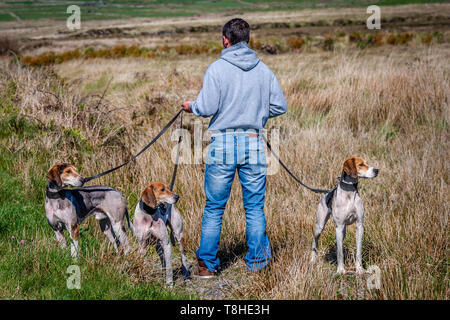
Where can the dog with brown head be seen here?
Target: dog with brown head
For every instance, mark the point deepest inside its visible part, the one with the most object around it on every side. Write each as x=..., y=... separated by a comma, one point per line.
x=157, y=194
x=345, y=205
x=357, y=167
x=153, y=214
x=63, y=175
x=66, y=209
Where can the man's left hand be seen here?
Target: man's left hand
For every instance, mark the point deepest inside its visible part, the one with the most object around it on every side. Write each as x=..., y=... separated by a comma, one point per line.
x=186, y=106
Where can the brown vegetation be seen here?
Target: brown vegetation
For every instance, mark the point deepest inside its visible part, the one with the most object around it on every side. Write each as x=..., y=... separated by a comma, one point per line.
x=389, y=108
x=270, y=46
x=8, y=46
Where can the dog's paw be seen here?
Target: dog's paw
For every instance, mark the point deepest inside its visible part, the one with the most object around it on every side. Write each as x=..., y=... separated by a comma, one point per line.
x=340, y=271
x=186, y=273
x=360, y=270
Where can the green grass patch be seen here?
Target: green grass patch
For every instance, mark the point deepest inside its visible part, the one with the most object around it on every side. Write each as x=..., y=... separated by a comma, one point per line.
x=32, y=10
x=388, y=131
x=32, y=266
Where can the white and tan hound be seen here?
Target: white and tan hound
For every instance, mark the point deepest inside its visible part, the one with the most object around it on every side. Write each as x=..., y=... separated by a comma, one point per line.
x=66, y=209
x=155, y=210
x=346, y=206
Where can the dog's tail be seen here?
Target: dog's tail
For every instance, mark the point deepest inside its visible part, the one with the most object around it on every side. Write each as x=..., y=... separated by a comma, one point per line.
x=130, y=226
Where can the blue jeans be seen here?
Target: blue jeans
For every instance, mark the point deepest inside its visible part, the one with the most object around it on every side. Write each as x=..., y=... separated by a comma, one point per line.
x=242, y=151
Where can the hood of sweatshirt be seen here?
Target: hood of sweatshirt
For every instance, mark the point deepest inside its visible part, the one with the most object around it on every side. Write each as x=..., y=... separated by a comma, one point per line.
x=241, y=56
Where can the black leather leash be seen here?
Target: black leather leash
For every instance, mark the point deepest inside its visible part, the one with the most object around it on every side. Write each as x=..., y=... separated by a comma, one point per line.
x=140, y=152
x=289, y=171
x=174, y=174
x=163, y=208
x=178, y=156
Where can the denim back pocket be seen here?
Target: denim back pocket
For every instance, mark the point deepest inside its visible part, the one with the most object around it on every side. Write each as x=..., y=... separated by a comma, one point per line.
x=256, y=150
x=220, y=150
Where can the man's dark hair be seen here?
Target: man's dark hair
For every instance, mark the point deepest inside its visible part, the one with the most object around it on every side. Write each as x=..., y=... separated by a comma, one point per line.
x=236, y=30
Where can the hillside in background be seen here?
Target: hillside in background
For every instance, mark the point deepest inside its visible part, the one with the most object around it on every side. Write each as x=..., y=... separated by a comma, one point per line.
x=95, y=10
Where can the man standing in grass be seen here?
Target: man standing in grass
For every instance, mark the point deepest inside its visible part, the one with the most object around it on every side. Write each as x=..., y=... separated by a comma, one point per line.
x=240, y=93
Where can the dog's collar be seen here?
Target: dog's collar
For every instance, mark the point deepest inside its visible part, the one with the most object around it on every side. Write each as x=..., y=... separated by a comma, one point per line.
x=147, y=209
x=54, y=194
x=348, y=183
x=348, y=186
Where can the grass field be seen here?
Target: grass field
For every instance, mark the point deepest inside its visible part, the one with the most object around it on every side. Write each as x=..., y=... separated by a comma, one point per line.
x=380, y=95
x=32, y=10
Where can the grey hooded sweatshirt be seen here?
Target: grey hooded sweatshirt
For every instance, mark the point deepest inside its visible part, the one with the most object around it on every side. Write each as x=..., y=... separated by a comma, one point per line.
x=239, y=91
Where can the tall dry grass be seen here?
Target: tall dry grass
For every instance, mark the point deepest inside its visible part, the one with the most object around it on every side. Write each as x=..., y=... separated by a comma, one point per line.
x=389, y=107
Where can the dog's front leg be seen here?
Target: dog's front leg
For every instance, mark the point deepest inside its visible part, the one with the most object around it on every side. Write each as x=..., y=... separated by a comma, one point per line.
x=142, y=248
x=340, y=231
x=359, y=237
x=74, y=232
x=59, y=234
x=175, y=224
x=143, y=243
x=184, y=262
x=166, y=260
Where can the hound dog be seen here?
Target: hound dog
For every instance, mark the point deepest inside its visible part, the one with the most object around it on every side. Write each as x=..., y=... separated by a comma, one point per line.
x=66, y=209
x=346, y=206
x=155, y=210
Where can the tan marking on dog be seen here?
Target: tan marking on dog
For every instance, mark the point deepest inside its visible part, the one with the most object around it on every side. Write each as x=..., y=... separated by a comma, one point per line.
x=69, y=171
x=355, y=166
x=75, y=232
x=61, y=172
x=148, y=197
x=53, y=175
x=155, y=193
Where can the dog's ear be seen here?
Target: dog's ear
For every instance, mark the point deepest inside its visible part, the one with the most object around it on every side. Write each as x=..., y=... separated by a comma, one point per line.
x=148, y=196
x=350, y=168
x=53, y=176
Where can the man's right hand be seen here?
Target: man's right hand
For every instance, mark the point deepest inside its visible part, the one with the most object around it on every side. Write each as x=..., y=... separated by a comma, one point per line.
x=186, y=107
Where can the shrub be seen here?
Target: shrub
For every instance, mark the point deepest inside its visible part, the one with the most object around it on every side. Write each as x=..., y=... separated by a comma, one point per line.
x=89, y=53
x=184, y=49
x=295, y=42
x=69, y=55
x=355, y=37
x=404, y=38
x=392, y=40
x=377, y=39
x=8, y=46
x=439, y=36
x=165, y=48
x=255, y=44
x=328, y=44
x=372, y=40
x=426, y=39
x=133, y=51
x=270, y=49
x=103, y=53
x=278, y=25
x=118, y=51
x=216, y=48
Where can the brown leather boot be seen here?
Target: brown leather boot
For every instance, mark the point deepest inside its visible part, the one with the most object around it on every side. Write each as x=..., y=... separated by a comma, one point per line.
x=202, y=272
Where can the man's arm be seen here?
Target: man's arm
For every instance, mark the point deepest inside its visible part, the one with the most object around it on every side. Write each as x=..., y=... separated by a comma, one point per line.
x=207, y=103
x=277, y=102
